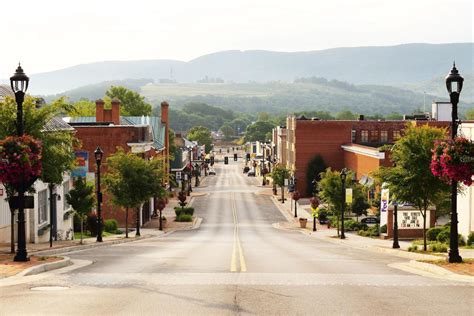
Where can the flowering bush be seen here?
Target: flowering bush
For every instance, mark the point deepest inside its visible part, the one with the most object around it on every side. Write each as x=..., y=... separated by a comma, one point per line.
x=454, y=160
x=20, y=161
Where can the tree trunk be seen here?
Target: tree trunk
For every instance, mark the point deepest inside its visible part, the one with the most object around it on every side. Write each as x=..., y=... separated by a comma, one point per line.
x=137, y=232
x=12, y=231
x=82, y=227
x=337, y=227
x=126, y=222
x=424, y=230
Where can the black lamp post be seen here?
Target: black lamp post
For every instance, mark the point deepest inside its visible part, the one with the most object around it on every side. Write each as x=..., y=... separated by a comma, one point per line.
x=264, y=181
x=98, y=153
x=343, y=206
x=395, y=225
x=454, y=83
x=19, y=84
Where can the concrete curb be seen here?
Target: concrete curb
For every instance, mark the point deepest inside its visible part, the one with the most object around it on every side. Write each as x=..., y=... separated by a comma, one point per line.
x=288, y=217
x=431, y=270
x=90, y=246
x=66, y=261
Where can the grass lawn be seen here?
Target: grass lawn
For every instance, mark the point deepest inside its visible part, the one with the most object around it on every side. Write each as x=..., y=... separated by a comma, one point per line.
x=87, y=234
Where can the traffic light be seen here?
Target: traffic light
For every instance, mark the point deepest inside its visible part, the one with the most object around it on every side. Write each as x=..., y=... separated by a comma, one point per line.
x=248, y=156
x=235, y=157
x=226, y=160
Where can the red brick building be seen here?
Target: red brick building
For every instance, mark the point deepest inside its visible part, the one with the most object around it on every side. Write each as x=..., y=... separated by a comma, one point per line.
x=351, y=144
x=145, y=136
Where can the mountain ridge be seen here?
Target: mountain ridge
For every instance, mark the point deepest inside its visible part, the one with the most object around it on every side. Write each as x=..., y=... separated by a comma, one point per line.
x=386, y=65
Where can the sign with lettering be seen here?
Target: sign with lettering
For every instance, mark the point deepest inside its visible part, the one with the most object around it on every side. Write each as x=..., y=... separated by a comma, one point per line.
x=384, y=199
x=412, y=219
x=349, y=196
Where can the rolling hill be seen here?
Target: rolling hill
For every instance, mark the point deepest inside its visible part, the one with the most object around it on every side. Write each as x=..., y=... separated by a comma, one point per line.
x=379, y=65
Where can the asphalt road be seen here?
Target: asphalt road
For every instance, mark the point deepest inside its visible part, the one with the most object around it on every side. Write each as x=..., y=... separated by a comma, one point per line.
x=236, y=263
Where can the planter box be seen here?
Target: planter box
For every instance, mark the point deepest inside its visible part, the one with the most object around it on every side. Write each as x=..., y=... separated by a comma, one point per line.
x=303, y=222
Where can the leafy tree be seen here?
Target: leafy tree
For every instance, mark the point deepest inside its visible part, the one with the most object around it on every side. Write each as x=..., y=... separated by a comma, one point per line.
x=470, y=114
x=345, y=115
x=173, y=149
x=82, y=108
x=228, y=131
x=411, y=179
x=315, y=166
x=394, y=116
x=263, y=116
x=330, y=190
x=81, y=199
x=132, y=180
x=279, y=174
x=132, y=103
x=57, y=153
x=258, y=131
x=239, y=124
x=359, y=204
x=202, y=135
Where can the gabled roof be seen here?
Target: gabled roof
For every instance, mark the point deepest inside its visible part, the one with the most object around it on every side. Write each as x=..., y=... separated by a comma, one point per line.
x=57, y=124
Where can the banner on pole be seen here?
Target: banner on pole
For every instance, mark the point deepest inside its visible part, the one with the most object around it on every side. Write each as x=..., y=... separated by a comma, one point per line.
x=81, y=164
x=384, y=199
x=349, y=196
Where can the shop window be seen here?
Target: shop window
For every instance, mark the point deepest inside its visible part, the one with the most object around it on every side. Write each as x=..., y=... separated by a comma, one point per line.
x=354, y=134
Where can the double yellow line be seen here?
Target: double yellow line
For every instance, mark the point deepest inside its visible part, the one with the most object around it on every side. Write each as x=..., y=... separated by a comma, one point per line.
x=237, y=247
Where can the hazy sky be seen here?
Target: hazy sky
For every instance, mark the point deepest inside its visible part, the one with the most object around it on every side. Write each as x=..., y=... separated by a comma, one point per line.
x=52, y=34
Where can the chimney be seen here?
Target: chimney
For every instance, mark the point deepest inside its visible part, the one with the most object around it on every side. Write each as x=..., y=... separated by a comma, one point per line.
x=164, y=120
x=116, y=111
x=99, y=110
x=361, y=117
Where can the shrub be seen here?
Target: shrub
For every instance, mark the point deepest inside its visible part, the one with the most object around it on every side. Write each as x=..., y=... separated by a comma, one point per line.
x=432, y=233
x=369, y=232
x=413, y=248
x=461, y=240
x=352, y=225
x=470, y=239
x=110, y=225
x=185, y=210
x=91, y=224
x=438, y=247
x=383, y=229
x=443, y=236
x=184, y=218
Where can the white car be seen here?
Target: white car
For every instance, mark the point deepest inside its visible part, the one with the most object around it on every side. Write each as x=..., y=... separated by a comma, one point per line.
x=212, y=172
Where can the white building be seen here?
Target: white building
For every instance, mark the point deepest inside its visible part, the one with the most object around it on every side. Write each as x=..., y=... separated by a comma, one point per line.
x=38, y=220
x=466, y=198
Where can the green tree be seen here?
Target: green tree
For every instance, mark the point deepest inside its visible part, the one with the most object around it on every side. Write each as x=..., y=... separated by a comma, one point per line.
x=131, y=181
x=470, y=114
x=82, y=108
x=263, y=116
x=228, y=131
x=359, y=204
x=411, y=179
x=330, y=190
x=202, y=135
x=132, y=103
x=258, y=131
x=279, y=174
x=57, y=150
x=81, y=199
x=315, y=166
x=345, y=115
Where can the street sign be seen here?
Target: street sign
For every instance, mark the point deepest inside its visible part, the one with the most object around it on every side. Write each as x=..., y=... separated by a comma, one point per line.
x=286, y=182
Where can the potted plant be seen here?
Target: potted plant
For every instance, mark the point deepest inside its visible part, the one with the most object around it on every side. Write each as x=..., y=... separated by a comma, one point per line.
x=303, y=222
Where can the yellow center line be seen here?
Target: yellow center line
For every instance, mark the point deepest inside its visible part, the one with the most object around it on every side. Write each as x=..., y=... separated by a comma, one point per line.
x=236, y=244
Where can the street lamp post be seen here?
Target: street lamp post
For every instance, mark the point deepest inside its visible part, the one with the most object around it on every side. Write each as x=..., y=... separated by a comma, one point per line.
x=454, y=83
x=395, y=225
x=19, y=84
x=98, y=153
x=264, y=181
x=343, y=206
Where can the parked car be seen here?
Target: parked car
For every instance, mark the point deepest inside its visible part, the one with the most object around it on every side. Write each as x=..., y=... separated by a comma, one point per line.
x=212, y=172
x=251, y=173
x=246, y=169
x=323, y=220
x=370, y=220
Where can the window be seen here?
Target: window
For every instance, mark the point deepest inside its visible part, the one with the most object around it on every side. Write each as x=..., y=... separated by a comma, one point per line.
x=42, y=206
x=383, y=136
x=396, y=135
x=66, y=206
x=364, y=136
x=354, y=134
x=374, y=136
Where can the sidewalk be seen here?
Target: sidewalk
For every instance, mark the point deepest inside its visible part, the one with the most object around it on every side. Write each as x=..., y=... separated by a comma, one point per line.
x=372, y=244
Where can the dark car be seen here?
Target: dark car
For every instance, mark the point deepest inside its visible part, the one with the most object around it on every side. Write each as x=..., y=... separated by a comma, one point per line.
x=323, y=220
x=251, y=173
x=370, y=220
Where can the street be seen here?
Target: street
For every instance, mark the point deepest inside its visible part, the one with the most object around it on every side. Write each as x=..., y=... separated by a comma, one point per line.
x=235, y=263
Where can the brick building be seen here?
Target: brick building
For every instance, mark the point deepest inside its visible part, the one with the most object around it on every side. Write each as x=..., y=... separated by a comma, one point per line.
x=145, y=136
x=354, y=144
